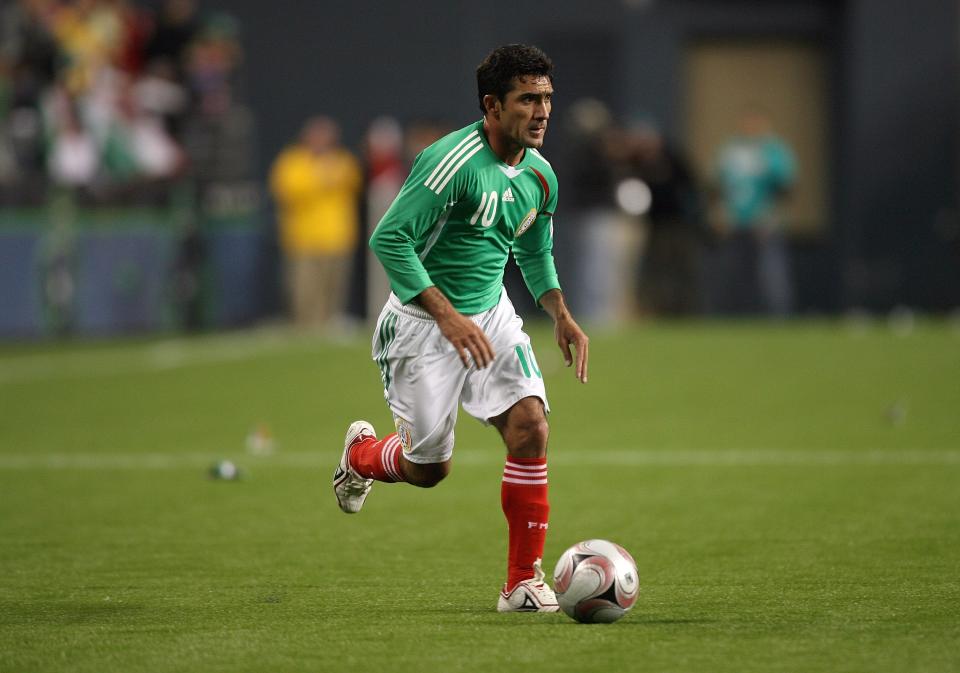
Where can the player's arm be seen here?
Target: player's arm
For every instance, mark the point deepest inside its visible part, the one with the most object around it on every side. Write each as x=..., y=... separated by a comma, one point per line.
x=533, y=251
x=567, y=331
x=404, y=228
x=408, y=221
x=533, y=248
x=395, y=239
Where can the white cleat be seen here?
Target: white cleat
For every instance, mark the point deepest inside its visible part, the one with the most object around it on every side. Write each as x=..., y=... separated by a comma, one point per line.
x=350, y=488
x=532, y=595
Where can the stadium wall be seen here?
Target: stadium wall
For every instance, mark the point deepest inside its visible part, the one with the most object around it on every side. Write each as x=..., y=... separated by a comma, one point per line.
x=126, y=271
x=893, y=235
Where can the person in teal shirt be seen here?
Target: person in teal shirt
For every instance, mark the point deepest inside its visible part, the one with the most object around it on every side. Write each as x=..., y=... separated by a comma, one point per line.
x=754, y=171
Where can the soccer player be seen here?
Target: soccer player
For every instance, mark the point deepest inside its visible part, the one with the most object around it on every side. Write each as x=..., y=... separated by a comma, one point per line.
x=448, y=334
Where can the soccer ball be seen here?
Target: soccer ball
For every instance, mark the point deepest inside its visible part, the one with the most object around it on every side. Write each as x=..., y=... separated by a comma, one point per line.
x=596, y=581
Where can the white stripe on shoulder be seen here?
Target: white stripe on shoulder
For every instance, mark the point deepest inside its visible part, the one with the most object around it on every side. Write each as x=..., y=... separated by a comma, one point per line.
x=452, y=165
x=541, y=157
x=468, y=138
x=477, y=148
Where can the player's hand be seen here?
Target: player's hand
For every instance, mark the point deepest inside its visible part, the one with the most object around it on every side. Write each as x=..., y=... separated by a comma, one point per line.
x=467, y=337
x=568, y=333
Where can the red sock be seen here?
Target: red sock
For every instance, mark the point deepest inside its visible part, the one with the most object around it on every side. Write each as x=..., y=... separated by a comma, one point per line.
x=378, y=458
x=523, y=495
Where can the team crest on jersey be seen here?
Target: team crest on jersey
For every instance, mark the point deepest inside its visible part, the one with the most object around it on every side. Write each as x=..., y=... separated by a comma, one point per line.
x=405, y=433
x=526, y=223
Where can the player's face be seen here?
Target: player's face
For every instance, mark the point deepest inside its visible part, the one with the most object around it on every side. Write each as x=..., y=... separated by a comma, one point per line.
x=526, y=110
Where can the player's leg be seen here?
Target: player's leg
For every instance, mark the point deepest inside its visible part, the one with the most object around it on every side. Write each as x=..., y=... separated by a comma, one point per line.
x=425, y=475
x=422, y=386
x=422, y=391
x=383, y=460
x=397, y=457
x=524, y=429
x=523, y=496
x=315, y=295
x=366, y=459
x=510, y=395
x=298, y=289
x=323, y=299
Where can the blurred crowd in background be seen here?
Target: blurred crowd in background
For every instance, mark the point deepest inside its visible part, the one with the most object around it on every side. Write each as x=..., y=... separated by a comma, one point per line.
x=638, y=233
x=111, y=103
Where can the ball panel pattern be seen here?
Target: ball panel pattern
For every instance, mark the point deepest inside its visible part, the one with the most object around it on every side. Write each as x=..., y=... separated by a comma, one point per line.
x=596, y=581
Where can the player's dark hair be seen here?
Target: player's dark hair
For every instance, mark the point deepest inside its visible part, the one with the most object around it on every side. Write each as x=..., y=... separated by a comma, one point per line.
x=496, y=73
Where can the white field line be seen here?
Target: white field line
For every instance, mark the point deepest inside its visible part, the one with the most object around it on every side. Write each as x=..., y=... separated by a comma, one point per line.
x=152, y=357
x=467, y=457
x=168, y=355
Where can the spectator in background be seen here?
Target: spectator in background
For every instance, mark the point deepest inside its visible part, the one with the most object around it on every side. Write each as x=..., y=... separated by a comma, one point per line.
x=28, y=51
x=386, y=170
x=212, y=60
x=754, y=172
x=159, y=93
x=142, y=138
x=136, y=26
x=73, y=159
x=28, y=62
x=420, y=134
x=177, y=24
x=115, y=103
x=106, y=144
x=90, y=35
x=317, y=185
x=671, y=267
x=583, y=242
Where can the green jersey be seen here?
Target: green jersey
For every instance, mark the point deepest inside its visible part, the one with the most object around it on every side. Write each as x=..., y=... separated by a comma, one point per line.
x=457, y=218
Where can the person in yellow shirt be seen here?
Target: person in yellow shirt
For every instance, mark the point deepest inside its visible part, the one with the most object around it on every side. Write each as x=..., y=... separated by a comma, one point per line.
x=317, y=184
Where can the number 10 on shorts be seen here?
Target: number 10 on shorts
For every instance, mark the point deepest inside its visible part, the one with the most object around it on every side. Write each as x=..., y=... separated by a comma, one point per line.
x=527, y=361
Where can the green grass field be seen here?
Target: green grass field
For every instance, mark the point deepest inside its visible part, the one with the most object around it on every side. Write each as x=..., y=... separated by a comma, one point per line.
x=791, y=495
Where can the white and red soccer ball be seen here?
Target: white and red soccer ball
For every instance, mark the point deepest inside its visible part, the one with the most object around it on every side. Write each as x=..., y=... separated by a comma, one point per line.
x=596, y=581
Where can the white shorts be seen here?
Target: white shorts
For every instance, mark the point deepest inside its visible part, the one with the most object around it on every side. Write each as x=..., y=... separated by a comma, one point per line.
x=424, y=380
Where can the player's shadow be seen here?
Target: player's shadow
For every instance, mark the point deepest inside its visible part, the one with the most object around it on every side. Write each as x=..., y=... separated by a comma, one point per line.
x=641, y=621
x=484, y=615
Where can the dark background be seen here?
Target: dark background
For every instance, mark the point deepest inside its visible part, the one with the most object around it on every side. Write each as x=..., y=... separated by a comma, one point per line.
x=893, y=237
x=887, y=238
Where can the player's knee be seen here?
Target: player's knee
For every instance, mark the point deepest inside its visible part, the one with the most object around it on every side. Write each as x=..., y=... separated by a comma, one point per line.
x=426, y=475
x=537, y=434
x=524, y=429
x=529, y=437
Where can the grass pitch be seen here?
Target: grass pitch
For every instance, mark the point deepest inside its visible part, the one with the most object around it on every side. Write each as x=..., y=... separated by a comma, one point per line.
x=791, y=495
